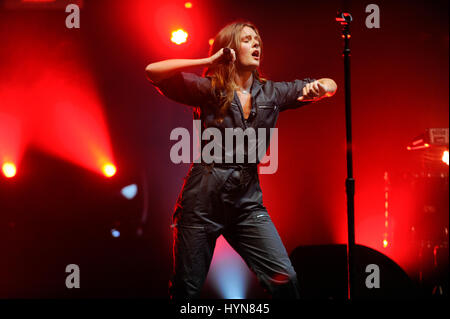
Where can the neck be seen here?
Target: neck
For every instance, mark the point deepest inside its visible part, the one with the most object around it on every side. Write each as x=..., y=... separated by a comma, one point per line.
x=244, y=79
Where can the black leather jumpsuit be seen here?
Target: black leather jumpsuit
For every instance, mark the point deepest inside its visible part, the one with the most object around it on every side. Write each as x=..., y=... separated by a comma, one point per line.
x=226, y=199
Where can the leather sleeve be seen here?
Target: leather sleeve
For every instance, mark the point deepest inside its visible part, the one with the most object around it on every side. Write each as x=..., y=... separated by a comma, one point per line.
x=186, y=88
x=288, y=92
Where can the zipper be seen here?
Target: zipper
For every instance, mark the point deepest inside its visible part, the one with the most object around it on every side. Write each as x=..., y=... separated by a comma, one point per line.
x=241, y=109
x=267, y=107
x=186, y=226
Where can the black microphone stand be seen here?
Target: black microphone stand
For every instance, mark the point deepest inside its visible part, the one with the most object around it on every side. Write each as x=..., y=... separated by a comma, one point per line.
x=344, y=19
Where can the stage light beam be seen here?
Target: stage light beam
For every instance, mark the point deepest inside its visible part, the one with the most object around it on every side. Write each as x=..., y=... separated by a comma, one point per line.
x=228, y=273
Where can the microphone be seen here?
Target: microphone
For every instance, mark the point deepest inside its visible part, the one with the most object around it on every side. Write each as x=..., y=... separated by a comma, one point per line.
x=251, y=115
x=227, y=56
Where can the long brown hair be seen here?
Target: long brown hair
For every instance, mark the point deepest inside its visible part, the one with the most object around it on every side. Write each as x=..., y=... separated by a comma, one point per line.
x=223, y=75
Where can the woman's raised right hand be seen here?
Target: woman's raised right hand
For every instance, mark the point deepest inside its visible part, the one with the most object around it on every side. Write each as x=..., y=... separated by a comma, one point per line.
x=223, y=57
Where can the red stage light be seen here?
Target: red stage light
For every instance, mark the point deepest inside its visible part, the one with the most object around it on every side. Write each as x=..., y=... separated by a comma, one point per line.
x=109, y=170
x=188, y=5
x=147, y=27
x=57, y=111
x=385, y=243
x=9, y=169
x=13, y=137
x=179, y=36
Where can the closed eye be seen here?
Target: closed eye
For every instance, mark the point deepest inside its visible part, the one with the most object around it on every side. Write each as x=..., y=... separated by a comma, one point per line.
x=249, y=37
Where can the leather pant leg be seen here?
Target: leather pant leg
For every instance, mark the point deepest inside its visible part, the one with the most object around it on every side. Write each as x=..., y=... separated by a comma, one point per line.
x=218, y=201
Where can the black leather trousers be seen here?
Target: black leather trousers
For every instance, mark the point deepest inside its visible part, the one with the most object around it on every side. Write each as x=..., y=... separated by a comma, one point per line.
x=226, y=200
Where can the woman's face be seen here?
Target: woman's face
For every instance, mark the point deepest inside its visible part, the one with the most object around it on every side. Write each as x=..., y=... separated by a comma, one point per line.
x=249, y=53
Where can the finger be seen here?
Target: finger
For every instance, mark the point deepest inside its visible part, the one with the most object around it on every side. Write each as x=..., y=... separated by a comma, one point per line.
x=304, y=99
x=322, y=87
x=219, y=55
x=308, y=88
x=310, y=93
x=316, y=86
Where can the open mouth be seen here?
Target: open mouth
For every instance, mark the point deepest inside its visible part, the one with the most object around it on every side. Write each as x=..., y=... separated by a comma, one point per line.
x=255, y=55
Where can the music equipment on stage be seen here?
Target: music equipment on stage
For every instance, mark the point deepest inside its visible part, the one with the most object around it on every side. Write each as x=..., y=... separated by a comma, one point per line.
x=427, y=188
x=431, y=137
x=322, y=274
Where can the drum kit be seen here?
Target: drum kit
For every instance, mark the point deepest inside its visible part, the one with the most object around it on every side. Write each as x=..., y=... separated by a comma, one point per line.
x=430, y=223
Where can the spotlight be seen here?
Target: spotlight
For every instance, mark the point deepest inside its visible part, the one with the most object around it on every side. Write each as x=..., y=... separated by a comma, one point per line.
x=129, y=192
x=445, y=157
x=109, y=170
x=115, y=233
x=9, y=169
x=188, y=5
x=385, y=243
x=179, y=36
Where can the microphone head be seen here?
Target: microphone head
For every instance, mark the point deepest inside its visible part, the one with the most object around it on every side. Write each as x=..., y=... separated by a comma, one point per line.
x=227, y=57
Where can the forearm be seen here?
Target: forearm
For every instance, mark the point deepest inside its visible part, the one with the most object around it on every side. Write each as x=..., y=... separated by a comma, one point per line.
x=164, y=69
x=330, y=86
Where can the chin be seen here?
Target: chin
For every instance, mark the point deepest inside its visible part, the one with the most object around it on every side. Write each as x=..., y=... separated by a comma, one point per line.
x=250, y=66
x=253, y=65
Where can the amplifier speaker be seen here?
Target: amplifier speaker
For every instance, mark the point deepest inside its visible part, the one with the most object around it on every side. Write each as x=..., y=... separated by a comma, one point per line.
x=322, y=274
